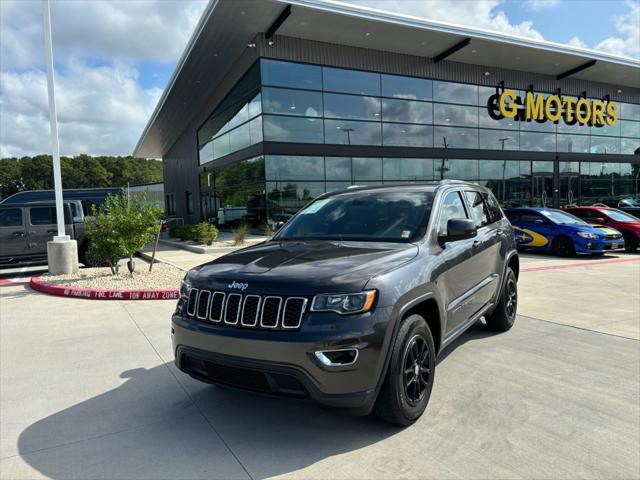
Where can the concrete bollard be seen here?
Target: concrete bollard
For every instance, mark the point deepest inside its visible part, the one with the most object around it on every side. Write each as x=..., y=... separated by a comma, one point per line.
x=62, y=257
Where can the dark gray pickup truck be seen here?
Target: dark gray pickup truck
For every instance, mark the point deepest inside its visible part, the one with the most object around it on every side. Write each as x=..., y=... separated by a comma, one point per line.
x=26, y=228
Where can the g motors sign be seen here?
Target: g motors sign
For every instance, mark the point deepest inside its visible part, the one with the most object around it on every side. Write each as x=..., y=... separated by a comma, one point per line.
x=535, y=107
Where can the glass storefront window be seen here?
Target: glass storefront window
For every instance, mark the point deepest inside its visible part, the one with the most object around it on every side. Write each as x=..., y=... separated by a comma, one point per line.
x=292, y=129
x=409, y=169
x=449, y=137
x=255, y=130
x=606, y=145
x=366, y=169
x=573, y=143
x=630, y=146
x=608, y=130
x=456, y=169
x=630, y=111
x=286, y=198
x=292, y=102
x=541, y=142
x=406, y=111
x=499, y=140
x=286, y=167
x=455, y=93
x=351, y=107
x=338, y=168
x=352, y=133
x=220, y=147
x=629, y=129
x=287, y=74
x=239, y=138
x=239, y=194
x=406, y=87
x=350, y=81
x=455, y=115
x=405, y=135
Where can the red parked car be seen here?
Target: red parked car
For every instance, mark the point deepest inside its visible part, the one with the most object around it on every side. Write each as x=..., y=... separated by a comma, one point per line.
x=627, y=224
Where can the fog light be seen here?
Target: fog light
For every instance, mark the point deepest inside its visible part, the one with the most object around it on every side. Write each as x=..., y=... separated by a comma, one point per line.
x=337, y=358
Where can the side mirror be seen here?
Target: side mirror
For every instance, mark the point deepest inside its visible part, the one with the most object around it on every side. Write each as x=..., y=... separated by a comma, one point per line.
x=278, y=225
x=458, y=229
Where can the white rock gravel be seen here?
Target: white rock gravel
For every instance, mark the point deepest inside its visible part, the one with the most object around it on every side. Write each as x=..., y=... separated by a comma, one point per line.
x=162, y=277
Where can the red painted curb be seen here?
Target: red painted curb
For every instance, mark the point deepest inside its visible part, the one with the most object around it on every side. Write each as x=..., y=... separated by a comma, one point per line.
x=5, y=282
x=100, y=294
x=581, y=264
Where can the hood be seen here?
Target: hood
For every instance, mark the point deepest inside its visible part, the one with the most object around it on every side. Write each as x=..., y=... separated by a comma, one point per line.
x=605, y=230
x=301, y=268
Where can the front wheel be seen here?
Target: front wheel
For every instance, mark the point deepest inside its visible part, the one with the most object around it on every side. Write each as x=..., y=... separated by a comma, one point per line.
x=630, y=243
x=407, y=386
x=564, y=247
x=503, y=317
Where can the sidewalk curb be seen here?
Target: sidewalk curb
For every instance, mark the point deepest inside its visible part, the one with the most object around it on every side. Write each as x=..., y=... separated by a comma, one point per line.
x=147, y=256
x=206, y=250
x=37, y=284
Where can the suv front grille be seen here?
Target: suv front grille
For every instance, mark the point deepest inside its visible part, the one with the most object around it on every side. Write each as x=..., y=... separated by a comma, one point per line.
x=266, y=312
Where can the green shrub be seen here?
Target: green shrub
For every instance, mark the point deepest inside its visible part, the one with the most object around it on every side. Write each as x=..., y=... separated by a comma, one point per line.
x=240, y=233
x=121, y=226
x=205, y=233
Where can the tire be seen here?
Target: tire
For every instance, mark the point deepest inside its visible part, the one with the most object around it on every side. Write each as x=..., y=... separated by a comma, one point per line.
x=630, y=243
x=85, y=258
x=504, y=315
x=564, y=247
x=401, y=400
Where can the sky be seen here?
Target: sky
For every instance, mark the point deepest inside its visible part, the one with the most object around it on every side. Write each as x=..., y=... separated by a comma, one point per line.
x=113, y=58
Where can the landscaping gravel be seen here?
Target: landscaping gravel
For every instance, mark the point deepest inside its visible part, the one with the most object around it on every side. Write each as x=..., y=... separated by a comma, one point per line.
x=162, y=277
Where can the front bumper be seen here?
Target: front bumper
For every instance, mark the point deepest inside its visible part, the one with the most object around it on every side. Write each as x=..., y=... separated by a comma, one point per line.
x=283, y=363
x=598, y=245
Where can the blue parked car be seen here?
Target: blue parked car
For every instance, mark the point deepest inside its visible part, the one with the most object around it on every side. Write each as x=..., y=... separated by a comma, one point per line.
x=548, y=229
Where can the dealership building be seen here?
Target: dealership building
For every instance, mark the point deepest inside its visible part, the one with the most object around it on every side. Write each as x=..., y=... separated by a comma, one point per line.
x=276, y=102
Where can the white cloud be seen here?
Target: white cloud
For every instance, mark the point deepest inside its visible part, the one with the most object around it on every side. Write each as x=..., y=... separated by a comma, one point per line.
x=576, y=42
x=627, y=41
x=476, y=13
x=98, y=46
x=542, y=4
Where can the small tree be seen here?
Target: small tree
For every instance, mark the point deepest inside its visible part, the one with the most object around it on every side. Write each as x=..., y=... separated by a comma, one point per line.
x=121, y=226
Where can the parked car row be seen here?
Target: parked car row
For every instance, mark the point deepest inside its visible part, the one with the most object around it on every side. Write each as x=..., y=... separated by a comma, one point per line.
x=572, y=230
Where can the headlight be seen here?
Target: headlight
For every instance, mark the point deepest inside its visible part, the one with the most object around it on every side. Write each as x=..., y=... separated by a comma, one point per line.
x=344, y=303
x=588, y=235
x=185, y=287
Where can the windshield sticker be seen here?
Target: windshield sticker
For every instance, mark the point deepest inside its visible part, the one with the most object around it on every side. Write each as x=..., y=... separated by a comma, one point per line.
x=405, y=233
x=315, y=206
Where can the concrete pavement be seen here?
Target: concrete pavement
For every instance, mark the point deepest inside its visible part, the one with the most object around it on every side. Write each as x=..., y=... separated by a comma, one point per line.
x=88, y=390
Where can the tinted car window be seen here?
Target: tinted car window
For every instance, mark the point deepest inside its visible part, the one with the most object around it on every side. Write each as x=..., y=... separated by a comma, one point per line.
x=479, y=210
x=10, y=217
x=514, y=217
x=42, y=215
x=363, y=216
x=530, y=217
x=452, y=207
x=495, y=213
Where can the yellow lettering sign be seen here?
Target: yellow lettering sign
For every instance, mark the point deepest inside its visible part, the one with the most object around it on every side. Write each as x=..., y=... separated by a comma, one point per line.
x=508, y=110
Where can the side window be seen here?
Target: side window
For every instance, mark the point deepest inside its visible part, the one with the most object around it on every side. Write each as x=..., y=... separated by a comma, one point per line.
x=11, y=217
x=514, y=217
x=530, y=218
x=452, y=207
x=479, y=211
x=42, y=215
x=495, y=212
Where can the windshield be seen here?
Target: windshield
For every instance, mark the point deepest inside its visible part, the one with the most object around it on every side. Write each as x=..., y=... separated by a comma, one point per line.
x=619, y=216
x=565, y=218
x=363, y=216
x=629, y=202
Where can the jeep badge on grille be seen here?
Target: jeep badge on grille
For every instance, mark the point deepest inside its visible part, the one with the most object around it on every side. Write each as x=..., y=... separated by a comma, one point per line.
x=239, y=286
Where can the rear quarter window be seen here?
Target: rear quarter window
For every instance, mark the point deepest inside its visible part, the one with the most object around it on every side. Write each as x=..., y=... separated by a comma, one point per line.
x=479, y=210
x=42, y=215
x=495, y=212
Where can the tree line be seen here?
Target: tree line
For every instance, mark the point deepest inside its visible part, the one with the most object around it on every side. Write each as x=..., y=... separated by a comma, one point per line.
x=81, y=171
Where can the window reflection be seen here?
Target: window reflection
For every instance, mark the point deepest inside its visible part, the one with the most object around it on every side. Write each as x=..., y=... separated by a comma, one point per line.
x=292, y=102
x=406, y=87
x=449, y=137
x=630, y=111
x=239, y=193
x=608, y=130
x=406, y=111
x=573, y=143
x=541, y=142
x=455, y=93
x=394, y=134
x=287, y=197
x=292, y=129
x=604, y=145
x=630, y=129
x=630, y=146
x=284, y=167
x=499, y=140
x=455, y=115
x=338, y=168
x=410, y=169
x=366, y=169
x=456, y=169
x=352, y=133
x=351, y=106
x=351, y=81
x=286, y=74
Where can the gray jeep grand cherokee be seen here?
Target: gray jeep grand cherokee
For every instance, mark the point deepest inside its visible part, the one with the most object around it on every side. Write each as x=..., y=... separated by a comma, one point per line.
x=352, y=300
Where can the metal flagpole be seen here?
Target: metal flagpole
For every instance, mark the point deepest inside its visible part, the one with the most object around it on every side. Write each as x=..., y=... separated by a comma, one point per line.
x=57, y=177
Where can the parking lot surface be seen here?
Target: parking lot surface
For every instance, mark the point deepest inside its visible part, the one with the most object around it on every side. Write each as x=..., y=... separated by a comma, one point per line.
x=89, y=390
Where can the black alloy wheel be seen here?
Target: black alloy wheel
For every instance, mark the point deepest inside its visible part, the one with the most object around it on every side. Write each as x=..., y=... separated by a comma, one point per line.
x=511, y=298
x=416, y=370
x=564, y=247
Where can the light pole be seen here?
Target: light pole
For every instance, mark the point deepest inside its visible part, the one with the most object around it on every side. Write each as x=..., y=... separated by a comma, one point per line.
x=348, y=130
x=504, y=167
x=62, y=252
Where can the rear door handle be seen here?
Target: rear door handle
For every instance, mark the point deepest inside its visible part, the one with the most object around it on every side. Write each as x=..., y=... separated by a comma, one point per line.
x=18, y=234
x=476, y=243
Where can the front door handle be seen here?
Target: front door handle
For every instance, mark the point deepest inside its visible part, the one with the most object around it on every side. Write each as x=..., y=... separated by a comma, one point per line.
x=18, y=234
x=476, y=243
x=52, y=231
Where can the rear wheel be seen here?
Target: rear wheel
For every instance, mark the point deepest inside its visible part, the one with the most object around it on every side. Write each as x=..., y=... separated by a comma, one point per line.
x=503, y=317
x=407, y=386
x=564, y=247
x=630, y=242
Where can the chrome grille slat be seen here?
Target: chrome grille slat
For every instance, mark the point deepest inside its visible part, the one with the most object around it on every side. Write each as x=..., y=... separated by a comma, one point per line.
x=217, y=306
x=234, y=307
x=293, y=312
x=270, y=312
x=204, y=298
x=249, y=321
